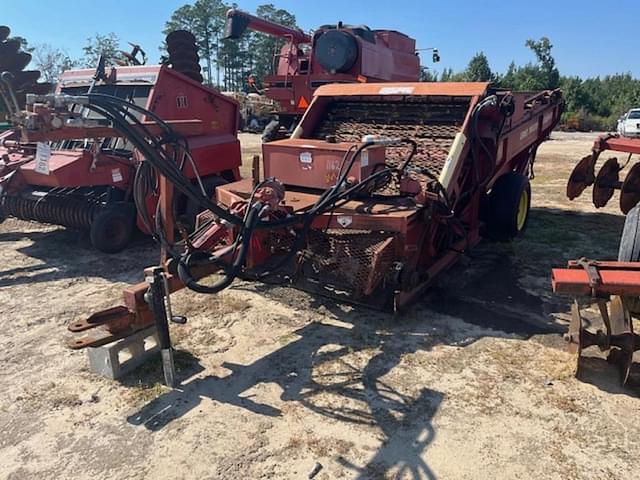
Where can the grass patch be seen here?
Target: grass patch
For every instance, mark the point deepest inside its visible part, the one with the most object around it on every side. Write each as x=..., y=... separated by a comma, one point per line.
x=147, y=381
x=553, y=237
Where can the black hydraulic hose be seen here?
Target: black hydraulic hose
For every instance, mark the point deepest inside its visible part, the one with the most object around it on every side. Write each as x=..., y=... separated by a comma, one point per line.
x=330, y=197
x=116, y=110
x=414, y=150
x=168, y=169
x=492, y=100
x=133, y=106
x=231, y=273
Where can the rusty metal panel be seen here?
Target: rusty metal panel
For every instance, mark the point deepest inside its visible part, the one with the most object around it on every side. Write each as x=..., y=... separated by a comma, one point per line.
x=464, y=89
x=355, y=260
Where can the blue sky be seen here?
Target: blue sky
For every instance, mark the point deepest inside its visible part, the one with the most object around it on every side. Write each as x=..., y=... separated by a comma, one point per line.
x=590, y=38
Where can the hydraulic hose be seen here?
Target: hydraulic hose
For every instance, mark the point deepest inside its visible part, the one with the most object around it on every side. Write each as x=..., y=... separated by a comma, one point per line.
x=231, y=273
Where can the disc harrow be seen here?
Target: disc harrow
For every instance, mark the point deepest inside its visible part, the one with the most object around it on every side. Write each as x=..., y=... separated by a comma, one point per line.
x=618, y=339
x=608, y=180
x=615, y=287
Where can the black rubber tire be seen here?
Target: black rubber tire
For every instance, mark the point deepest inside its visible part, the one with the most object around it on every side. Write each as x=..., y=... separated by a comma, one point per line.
x=502, y=207
x=629, y=249
x=270, y=132
x=112, y=229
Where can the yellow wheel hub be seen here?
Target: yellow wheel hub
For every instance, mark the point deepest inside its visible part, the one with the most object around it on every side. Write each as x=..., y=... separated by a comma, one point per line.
x=523, y=210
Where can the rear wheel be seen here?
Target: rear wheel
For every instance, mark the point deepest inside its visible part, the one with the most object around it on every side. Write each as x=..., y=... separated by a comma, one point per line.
x=271, y=131
x=508, y=206
x=112, y=229
x=629, y=250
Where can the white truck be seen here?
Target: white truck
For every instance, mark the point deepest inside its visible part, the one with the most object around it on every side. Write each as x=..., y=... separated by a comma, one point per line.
x=629, y=123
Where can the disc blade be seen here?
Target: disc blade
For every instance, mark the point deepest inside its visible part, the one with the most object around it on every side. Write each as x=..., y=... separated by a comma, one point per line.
x=630, y=192
x=14, y=62
x=581, y=177
x=619, y=316
x=606, y=182
x=9, y=47
x=627, y=359
x=180, y=36
x=575, y=326
x=25, y=79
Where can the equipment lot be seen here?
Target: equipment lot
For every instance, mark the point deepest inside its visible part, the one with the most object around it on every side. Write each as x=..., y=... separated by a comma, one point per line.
x=474, y=382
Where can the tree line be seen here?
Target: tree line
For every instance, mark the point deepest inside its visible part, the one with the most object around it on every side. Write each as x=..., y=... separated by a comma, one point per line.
x=226, y=64
x=591, y=103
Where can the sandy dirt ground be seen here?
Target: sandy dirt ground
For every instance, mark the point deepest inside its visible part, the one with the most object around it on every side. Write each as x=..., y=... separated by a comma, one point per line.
x=472, y=383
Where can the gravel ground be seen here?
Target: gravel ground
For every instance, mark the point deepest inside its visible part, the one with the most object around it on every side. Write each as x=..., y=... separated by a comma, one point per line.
x=473, y=382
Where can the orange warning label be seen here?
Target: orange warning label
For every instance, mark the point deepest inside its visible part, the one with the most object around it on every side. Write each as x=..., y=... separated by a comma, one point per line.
x=303, y=103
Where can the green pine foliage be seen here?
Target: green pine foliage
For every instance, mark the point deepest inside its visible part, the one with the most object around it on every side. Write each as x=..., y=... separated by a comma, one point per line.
x=591, y=104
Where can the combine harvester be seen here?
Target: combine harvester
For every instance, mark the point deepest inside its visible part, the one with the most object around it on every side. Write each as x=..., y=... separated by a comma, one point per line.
x=380, y=189
x=614, y=286
x=84, y=174
x=332, y=54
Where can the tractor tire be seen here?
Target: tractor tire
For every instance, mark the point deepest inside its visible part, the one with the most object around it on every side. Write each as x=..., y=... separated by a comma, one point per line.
x=112, y=229
x=629, y=250
x=271, y=131
x=507, y=209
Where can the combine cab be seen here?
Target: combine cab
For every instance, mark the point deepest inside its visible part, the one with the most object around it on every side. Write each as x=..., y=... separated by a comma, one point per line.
x=81, y=174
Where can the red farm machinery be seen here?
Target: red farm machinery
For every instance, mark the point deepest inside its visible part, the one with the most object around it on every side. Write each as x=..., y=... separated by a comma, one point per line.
x=613, y=285
x=77, y=170
x=331, y=54
x=380, y=188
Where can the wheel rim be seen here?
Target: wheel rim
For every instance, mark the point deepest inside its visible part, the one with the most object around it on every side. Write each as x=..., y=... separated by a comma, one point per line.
x=523, y=210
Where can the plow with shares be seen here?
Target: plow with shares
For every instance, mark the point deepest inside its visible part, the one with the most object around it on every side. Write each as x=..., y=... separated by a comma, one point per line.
x=613, y=285
x=380, y=189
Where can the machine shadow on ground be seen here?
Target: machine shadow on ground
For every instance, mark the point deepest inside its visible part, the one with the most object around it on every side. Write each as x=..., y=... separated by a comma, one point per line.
x=354, y=394
x=507, y=286
x=64, y=253
x=517, y=301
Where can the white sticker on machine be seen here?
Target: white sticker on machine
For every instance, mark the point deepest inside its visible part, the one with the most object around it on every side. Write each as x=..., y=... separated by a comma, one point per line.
x=344, y=221
x=396, y=91
x=306, y=160
x=43, y=154
x=364, y=159
x=116, y=175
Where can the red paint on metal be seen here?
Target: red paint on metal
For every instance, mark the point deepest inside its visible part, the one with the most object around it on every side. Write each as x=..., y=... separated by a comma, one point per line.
x=404, y=89
x=315, y=163
x=383, y=56
x=614, y=282
x=389, y=247
x=209, y=122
